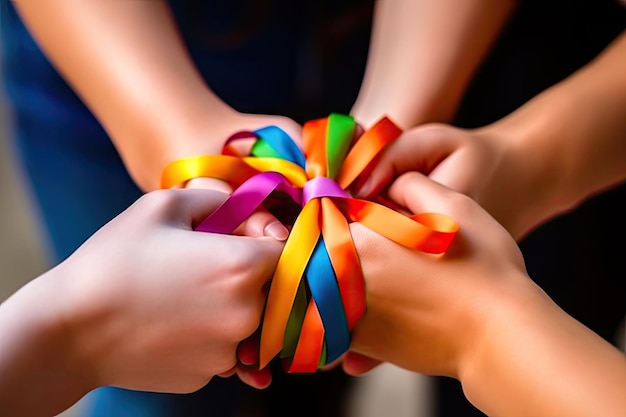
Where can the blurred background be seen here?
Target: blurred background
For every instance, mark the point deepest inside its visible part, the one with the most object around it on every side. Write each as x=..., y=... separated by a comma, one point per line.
x=21, y=252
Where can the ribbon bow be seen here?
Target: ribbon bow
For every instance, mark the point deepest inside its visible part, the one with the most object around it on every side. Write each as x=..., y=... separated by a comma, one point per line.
x=317, y=294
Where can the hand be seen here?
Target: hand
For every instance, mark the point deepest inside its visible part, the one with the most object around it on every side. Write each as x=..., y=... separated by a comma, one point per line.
x=146, y=91
x=473, y=314
x=426, y=313
x=247, y=369
x=206, y=137
x=260, y=223
x=222, y=128
x=154, y=306
x=485, y=164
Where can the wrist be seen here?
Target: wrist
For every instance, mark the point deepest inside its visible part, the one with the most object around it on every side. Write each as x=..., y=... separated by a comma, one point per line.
x=569, y=153
x=191, y=126
x=531, y=172
x=531, y=358
x=516, y=314
x=38, y=358
x=406, y=111
x=181, y=123
x=85, y=314
x=65, y=314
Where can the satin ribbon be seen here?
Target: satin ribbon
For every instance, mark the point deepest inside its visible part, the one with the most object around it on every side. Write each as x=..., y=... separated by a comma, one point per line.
x=317, y=294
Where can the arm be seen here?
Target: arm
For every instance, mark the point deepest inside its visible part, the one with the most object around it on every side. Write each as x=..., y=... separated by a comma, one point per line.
x=572, y=137
x=140, y=305
x=560, y=148
x=126, y=60
x=474, y=314
x=429, y=49
x=553, y=363
x=36, y=359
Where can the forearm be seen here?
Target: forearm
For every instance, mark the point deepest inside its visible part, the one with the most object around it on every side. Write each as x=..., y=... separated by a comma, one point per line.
x=535, y=360
x=126, y=60
x=39, y=375
x=572, y=137
x=422, y=56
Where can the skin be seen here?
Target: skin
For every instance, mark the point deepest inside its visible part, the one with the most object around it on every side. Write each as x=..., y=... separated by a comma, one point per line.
x=133, y=121
x=429, y=49
x=538, y=162
x=471, y=314
x=76, y=327
x=104, y=47
x=474, y=314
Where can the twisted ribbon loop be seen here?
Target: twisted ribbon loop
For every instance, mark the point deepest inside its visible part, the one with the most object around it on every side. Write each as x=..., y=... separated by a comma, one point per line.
x=317, y=295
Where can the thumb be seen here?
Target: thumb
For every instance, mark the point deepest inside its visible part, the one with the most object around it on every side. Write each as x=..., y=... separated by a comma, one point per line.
x=209, y=184
x=260, y=223
x=263, y=223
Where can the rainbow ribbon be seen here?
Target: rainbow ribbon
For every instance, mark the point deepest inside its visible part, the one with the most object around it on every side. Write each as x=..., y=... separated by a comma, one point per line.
x=317, y=294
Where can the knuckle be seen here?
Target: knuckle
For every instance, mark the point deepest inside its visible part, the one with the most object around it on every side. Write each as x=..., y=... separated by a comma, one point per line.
x=460, y=203
x=160, y=200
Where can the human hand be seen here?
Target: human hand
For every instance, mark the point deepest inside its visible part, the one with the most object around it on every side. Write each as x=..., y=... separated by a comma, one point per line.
x=427, y=313
x=486, y=164
x=205, y=137
x=247, y=368
x=260, y=223
x=153, y=306
x=474, y=314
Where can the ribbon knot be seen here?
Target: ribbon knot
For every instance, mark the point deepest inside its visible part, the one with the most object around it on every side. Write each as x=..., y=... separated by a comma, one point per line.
x=317, y=294
x=320, y=187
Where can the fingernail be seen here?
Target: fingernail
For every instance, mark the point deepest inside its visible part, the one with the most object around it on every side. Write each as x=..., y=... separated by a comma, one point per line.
x=277, y=231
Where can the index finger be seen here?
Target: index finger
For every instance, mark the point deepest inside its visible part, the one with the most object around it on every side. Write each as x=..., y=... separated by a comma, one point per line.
x=420, y=194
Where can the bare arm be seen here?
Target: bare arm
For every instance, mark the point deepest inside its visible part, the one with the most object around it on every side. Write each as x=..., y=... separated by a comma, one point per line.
x=36, y=359
x=533, y=359
x=422, y=56
x=572, y=137
x=560, y=148
x=126, y=60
